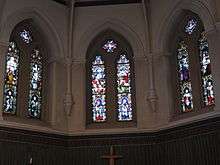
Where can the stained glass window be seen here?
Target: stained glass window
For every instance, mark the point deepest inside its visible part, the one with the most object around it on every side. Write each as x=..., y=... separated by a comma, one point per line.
x=98, y=90
x=110, y=46
x=25, y=36
x=207, y=80
x=11, y=79
x=184, y=79
x=124, y=89
x=191, y=26
x=35, y=98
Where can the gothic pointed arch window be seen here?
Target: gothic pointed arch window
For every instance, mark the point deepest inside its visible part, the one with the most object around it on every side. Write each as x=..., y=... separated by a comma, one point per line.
x=110, y=82
x=194, y=92
x=24, y=72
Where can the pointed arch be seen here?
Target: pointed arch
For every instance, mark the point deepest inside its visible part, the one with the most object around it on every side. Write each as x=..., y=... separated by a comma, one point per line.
x=191, y=66
x=24, y=71
x=168, y=23
x=115, y=25
x=113, y=78
x=43, y=23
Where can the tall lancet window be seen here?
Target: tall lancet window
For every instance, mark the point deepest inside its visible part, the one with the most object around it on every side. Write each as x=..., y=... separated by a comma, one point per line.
x=184, y=78
x=11, y=79
x=124, y=89
x=23, y=84
x=110, y=82
x=206, y=73
x=35, y=91
x=98, y=90
x=195, y=92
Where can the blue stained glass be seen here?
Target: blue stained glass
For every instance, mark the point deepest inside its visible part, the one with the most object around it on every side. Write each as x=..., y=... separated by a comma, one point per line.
x=98, y=90
x=183, y=61
x=207, y=80
x=191, y=26
x=124, y=107
x=124, y=89
x=99, y=110
x=11, y=79
x=35, y=93
x=25, y=36
x=184, y=79
x=110, y=46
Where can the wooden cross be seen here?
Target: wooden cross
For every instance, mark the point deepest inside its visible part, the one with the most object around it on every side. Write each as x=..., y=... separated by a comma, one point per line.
x=111, y=157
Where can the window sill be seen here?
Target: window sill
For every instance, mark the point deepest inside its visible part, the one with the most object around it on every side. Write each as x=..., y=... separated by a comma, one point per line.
x=27, y=124
x=195, y=112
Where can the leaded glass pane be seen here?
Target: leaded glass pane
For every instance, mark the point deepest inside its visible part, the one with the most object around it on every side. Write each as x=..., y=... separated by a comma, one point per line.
x=11, y=79
x=124, y=89
x=184, y=79
x=110, y=46
x=186, y=97
x=25, y=36
x=35, y=93
x=207, y=80
x=191, y=26
x=98, y=90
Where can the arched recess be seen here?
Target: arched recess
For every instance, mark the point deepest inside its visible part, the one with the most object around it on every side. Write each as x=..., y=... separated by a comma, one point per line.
x=137, y=45
x=163, y=38
x=190, y=68
x=132, y=37
x=110, y=82
x=45, y=26
x=53, y=44
x=168, y=23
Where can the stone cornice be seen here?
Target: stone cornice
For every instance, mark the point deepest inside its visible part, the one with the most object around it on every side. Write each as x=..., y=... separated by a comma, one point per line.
x=211, y=125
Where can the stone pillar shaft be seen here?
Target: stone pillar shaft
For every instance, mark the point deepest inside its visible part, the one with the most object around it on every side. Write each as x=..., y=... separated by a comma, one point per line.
x=3, y=51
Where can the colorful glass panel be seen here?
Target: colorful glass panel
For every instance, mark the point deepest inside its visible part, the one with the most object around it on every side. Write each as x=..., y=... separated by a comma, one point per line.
x=110, y=46
x=11, y=79
x=124, y=89
x=184, y=79
x=35, y=93
x=207, y=80
x=98, y=90
x=191, y=26
x=25, y=36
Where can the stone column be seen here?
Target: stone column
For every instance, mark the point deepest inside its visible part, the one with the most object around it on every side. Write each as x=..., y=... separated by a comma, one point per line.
x=152, y=96
x=3, y=51
x=77, y=119
x=164, y=83
x=217, y=7
x=52, y=92
x=68, y=101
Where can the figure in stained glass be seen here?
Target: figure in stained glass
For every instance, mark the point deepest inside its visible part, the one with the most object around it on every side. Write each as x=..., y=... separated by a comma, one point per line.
x=124, y=107
x=184, y=78
x=11, y=79
x=35, y=93
x=98, y=90
x=183, y=63
x=209, y=98
x=186, y=92
x=124, y=89
x=205, y=64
